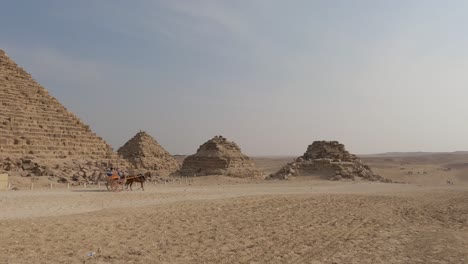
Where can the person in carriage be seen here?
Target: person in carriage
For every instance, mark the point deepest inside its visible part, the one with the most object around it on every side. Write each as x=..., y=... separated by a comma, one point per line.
x=120, y=173
x=110, y=172
x=115, y=172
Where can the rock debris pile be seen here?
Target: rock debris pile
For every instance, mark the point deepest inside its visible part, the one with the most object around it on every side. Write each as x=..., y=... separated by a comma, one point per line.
x=328, y=159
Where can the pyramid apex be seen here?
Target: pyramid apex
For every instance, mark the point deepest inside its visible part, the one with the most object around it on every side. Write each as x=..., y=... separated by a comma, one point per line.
x=218, y=139
x=142, y=132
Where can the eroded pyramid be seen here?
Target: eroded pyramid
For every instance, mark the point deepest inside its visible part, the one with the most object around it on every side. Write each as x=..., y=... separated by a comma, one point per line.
x=144, y=152
x=330, y=160
x=219, y=156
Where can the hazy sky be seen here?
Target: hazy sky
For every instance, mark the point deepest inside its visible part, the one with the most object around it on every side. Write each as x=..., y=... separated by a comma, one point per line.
x=272, y=75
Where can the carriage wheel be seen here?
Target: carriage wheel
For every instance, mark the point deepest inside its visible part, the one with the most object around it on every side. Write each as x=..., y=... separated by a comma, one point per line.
x=116, y=186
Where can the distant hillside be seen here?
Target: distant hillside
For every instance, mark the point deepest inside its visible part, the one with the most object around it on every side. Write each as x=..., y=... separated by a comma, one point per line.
x=413, y=154
x=180, y=158
x=419, y=157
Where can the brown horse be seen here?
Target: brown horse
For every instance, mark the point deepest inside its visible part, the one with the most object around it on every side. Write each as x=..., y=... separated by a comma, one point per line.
x=132, y=179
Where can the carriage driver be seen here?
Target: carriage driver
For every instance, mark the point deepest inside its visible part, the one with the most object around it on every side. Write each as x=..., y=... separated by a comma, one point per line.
x=120, y=173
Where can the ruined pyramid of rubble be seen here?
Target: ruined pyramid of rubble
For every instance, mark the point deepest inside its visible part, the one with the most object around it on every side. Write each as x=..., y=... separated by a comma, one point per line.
x=328, y=159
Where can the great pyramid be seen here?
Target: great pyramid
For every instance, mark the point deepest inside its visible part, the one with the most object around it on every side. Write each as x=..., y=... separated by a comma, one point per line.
x=35, y=125
x=219, y=157
x=144, y=152
x=328, y=159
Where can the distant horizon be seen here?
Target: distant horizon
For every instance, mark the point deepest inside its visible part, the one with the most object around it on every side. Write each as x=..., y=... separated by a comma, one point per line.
x=272, y=76
x=382, y=153
x=297, y=155
x=358, y=154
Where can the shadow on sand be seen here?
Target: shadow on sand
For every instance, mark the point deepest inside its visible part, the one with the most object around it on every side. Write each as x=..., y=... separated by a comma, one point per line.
x=90, y=190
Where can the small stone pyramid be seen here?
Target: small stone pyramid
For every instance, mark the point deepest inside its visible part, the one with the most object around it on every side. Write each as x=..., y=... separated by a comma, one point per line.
x=329, y=159
x=219, y=157
x=144, y=153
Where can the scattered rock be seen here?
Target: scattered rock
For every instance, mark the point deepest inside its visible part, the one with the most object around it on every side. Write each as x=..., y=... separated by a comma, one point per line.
x=62, y=180
x=76, y=177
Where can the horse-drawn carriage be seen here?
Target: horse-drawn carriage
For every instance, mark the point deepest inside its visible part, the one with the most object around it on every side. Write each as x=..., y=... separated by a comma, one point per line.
x=116, y=183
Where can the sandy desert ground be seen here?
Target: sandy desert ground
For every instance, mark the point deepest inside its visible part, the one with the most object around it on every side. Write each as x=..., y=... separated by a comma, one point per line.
x=223, y=220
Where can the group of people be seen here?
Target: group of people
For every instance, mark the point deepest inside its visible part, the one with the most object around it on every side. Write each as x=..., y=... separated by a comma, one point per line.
x=115, y=171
